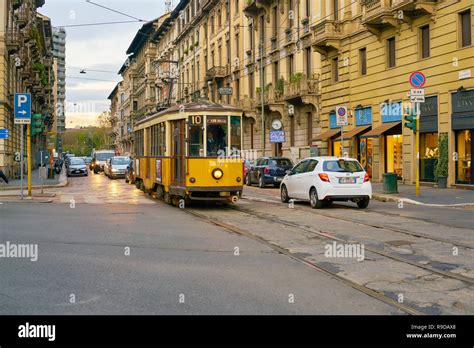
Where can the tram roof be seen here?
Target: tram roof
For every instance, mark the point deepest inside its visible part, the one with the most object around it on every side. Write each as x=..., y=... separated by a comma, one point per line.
x=200, y=106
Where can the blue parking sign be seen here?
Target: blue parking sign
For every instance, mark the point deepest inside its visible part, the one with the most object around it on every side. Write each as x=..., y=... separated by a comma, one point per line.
x=22, y=108
x=4, y=134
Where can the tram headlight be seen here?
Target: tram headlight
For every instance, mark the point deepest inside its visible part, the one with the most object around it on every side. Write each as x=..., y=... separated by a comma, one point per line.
x=217, y=173
x=239, y=179
x=192, y=180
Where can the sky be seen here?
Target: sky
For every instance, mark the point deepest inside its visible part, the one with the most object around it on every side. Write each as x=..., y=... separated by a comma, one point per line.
x=100, y=47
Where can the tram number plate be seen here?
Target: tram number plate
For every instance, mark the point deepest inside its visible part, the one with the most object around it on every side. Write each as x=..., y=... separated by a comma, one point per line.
x=347, y=180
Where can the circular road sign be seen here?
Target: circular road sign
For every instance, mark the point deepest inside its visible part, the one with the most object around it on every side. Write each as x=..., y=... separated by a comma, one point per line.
x=417, y=79
x=341, y=111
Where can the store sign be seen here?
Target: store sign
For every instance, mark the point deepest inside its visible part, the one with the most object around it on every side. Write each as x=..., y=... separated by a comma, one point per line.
x=363, y=116
x=391, y=111
x=463, y=101
x=277, y=136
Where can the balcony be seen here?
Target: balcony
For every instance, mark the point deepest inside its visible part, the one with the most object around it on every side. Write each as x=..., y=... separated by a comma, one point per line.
x=414, y=8
x=327, y=36
x=301, y=86
x=216, y=73
x=253, y=8
x=13, y=40
x=377, y=15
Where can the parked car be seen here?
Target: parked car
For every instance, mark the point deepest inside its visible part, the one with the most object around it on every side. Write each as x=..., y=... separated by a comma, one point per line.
x=116, y=166
x=247, y=165
x=268, y=170
x=99, y=158
x=77, y=166
x=67, y=158
x=322, y=180
x=88, y=160
x=130, y=175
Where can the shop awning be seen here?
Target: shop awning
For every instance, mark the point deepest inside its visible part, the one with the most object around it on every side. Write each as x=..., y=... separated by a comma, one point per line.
x=374, y=133
x=353, y=132
x=327, y=135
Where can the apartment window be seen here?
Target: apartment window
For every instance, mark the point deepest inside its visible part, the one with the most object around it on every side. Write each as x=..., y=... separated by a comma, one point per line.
x=237, y=7
x=391, y=52
x=308, y=8
x=466, y=31
x=276, y=72
x=425, y=41
x=237, y=44
x=251, y=85
x=335, y=70
x=308, y=62
x=219, y=20
x=363, y=61
x=291, y=64
x=237, y=88
x=252, y=43
x=292, y=130
x=212, y=25
x=275, y=21
x=291, y=7
x=336, y=9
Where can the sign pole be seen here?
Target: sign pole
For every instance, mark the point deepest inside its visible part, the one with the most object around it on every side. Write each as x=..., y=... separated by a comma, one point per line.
x=28, y=154
x=342, y=141
x=41, y=172
x=417, y=146
x=21, y=160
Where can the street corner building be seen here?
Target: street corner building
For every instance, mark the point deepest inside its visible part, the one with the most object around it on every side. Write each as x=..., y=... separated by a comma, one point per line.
x=297, y=61
x=369, y=50
x=26, y=66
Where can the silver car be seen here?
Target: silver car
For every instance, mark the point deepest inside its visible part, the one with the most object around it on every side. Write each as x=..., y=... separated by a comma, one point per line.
x=77, y=167
x=116, y=167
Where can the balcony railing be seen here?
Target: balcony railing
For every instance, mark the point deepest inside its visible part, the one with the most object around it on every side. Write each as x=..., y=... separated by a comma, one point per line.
x=377, y=14
x=13, y=39
x=414, y=8
x=303, y=86
x=217, y=72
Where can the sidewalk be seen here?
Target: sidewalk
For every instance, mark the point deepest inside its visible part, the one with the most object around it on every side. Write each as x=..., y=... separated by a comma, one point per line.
x=430, y=196
x=58, y=181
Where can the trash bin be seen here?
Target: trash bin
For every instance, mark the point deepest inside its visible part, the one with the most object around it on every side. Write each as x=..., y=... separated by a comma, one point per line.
x=390, y=184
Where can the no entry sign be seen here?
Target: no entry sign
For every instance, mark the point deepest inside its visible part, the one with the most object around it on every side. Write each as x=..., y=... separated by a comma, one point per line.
x=417, y=79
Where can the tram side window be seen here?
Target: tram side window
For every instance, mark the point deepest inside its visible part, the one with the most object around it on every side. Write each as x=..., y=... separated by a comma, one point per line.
x=161, y=139
x=157, y=141
x=196, y=136
x=216, y=136
x=139, y=143
x=235, y=134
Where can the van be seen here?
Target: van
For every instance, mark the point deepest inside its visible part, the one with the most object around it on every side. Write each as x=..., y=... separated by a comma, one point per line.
x=99, y=158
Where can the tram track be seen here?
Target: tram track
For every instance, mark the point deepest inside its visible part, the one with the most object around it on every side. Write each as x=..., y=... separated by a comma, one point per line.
x=368, y=224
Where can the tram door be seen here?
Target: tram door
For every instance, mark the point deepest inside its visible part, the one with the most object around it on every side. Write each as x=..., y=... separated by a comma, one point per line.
x=178, y=154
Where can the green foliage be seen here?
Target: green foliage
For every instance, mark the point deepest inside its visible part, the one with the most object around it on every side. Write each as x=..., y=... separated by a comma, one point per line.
x=280, y=85
x=442, y=165
x=295, y=78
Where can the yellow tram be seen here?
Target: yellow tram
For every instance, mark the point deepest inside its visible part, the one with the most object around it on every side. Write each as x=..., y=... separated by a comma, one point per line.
x=190, y=152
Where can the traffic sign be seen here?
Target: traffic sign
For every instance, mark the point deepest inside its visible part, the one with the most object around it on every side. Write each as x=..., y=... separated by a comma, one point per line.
x=417, y=95
x=277, y=136
x=4, y=133
x=417, y=79
x=341, y=115
x=22, y=108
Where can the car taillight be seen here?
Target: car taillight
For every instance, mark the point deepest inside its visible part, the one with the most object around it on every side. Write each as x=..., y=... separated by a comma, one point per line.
x=324, y=177
x=366, y=177
x=266, y=170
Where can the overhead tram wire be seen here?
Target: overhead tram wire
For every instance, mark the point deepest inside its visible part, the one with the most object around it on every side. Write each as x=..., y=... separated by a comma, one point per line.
x=95, y=24
x=112, y=10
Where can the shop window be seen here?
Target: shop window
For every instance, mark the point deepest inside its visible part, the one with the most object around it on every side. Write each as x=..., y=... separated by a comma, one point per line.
x=464, y=150
x=394, y=157
x=365, y=154
x=428, y=155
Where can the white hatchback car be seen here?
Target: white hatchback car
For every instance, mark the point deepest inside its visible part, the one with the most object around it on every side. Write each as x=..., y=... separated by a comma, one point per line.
x=322, y=180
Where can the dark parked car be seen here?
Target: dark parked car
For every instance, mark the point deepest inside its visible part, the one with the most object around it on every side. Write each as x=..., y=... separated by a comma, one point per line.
x=268, y=170
x=130, y=173
x=247, y=165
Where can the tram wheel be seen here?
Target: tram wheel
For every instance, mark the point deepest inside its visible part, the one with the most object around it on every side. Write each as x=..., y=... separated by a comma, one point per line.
x=167, y=198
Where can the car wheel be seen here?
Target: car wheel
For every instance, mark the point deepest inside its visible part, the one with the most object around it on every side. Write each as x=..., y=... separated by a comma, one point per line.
x=247, y=180
x=261, y=182
x=126, y=180
x=315, y=202
x=95, y=171
x=364, y=203
x=284, y=194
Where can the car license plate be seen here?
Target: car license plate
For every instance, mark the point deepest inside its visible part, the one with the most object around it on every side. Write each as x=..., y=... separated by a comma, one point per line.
x=347, y=180
x=77, y=171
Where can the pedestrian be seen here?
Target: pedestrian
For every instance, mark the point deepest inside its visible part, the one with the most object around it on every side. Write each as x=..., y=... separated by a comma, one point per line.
x=3, y=176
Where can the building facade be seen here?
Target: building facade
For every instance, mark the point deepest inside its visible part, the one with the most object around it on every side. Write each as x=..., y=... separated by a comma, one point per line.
x=369, y=50
x=26, y=66
x=59, y=53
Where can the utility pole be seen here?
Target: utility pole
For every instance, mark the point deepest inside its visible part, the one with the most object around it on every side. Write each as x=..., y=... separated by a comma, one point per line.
x=417, y=147
x=262, y=97
x=28, y=154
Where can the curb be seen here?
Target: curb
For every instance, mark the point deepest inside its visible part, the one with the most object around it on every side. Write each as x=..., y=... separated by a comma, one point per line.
x=16, y=199
x=63, y=182
x=388, y=198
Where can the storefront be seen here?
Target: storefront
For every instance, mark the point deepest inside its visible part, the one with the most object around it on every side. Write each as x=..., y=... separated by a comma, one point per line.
x=334, y=146
x=390, y=135
x=462, y=123
x=428, y=138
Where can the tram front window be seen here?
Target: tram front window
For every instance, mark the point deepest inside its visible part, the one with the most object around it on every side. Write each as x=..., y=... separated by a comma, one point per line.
x=216, y=136
x=196, y=143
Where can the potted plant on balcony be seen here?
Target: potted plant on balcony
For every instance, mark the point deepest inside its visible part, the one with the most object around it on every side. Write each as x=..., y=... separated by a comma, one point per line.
x=441, y=171
x=280, y=86
x=296, y=78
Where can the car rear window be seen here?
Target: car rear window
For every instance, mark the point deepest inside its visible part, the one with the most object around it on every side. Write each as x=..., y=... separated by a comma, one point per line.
x=104, y=156
x=281, y=162
x=120, y=161
x=77, y=161
x=342, y=165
